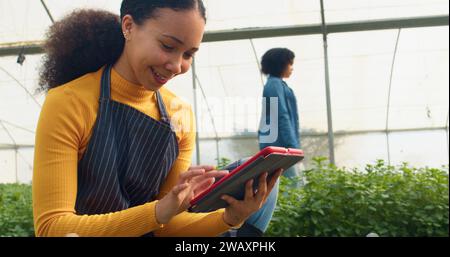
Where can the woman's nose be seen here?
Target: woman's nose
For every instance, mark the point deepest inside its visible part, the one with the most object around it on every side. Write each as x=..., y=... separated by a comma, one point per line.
x=174, y=66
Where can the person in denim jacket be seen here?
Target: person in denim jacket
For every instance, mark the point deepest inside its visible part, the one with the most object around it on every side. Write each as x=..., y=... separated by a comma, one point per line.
x=277, y=63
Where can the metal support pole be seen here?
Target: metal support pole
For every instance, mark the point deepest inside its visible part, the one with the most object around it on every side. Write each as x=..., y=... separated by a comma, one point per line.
x=261, y=75
x=213, y=123
x=15, y=161
x=217, y=151
x=257, y=62
x=22, y=86
x=327, y=85
x=446, y=132
x=35, y=47
x=47, y=11
x=389, y=97
x=197, y=139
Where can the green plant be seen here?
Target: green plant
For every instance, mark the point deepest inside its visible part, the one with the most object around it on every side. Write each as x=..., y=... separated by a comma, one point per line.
x=222, y=163
x=16, y=214
x=387, y=200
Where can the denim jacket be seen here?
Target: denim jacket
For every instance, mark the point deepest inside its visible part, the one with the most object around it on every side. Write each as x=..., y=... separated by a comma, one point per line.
x=288, y=120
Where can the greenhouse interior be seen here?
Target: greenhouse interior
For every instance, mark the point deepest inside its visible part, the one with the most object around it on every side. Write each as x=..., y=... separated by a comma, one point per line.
x=371, y=79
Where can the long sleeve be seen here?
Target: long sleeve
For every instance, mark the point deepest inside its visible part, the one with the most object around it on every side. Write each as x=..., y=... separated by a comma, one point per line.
x=58, y=138
x=286, y=130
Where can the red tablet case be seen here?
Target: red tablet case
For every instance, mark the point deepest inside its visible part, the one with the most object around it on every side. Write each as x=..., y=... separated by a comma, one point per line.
x=269, y=159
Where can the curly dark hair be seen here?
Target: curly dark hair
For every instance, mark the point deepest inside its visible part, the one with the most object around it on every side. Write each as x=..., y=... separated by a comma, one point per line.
x=86, y=39
x=275, y=61
x=142, y=10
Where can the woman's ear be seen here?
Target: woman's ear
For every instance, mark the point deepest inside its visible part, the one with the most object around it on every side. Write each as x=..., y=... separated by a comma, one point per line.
x=127, y=26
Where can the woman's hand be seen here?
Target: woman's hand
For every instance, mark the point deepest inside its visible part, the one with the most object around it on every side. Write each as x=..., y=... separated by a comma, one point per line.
x=190, y=184
x=239, y=211
x=201, y=183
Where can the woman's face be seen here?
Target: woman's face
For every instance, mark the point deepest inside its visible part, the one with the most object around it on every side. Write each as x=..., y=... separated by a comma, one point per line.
x=288, y=71
x=162, y=47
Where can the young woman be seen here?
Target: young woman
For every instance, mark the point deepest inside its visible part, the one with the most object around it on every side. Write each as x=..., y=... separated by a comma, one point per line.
x=111, y=157
x=277, y=63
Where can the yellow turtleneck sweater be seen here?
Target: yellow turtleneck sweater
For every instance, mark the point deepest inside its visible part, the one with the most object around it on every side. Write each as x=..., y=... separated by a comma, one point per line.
x=64, y=130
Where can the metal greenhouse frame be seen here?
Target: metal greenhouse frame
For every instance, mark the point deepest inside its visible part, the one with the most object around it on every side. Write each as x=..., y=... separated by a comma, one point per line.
x=324, y=29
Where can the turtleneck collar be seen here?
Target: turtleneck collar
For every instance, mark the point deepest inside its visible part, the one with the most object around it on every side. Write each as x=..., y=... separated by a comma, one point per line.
x=127, y=90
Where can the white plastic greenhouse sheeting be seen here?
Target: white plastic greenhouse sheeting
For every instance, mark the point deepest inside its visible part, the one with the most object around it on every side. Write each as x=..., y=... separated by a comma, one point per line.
x=360, y=71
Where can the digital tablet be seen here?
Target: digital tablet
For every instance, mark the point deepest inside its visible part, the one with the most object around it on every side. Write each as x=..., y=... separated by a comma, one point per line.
x=270, y=159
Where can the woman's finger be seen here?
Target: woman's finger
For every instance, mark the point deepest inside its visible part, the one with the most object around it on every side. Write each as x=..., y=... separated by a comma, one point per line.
x=201, y=183
x=203, y=186
x=186, y=176
x=217, y=173
x=262, y=187
x=230, y=200
x=202, y=167
x=210, y=174
x=273, y=180
x=249, y=194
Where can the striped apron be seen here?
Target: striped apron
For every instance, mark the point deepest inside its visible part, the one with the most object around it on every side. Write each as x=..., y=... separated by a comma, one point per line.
x=127, y=159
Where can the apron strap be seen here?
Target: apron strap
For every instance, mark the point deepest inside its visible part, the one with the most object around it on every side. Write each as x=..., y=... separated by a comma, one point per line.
x=105, y=94
x=105, y=91
x=162, y=109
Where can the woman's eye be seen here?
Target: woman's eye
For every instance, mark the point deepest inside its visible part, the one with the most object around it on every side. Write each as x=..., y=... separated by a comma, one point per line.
x=188, y=55
x=168, y=47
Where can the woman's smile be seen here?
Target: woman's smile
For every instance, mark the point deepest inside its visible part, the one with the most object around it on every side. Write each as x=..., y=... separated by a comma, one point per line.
x=160, y=79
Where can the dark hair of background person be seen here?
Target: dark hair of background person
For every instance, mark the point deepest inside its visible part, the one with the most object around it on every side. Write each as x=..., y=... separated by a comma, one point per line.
x=86, y=39
x=275, y=61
